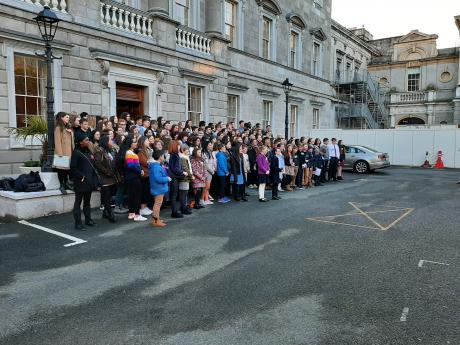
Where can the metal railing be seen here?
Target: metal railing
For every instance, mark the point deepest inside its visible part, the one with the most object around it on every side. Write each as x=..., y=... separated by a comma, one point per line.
x=125, y=18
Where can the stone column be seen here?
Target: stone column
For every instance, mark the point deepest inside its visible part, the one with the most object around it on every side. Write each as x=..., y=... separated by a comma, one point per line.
x=457, y=93
x=214, y=17
x=159, y=7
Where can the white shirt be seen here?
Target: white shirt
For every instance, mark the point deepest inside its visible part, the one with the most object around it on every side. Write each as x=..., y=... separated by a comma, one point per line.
x=333, y=150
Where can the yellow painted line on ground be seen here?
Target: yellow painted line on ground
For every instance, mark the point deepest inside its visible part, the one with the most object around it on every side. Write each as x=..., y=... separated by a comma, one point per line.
x=399, y=219
x=366, y=215
x=354, y=225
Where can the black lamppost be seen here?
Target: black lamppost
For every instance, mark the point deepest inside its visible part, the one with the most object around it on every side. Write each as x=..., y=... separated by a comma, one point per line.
x=48, y=22
x=287, y=86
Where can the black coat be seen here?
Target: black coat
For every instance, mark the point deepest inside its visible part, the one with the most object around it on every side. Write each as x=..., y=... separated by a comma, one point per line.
x=275, y=170
x=252, y=155
x=82, y=168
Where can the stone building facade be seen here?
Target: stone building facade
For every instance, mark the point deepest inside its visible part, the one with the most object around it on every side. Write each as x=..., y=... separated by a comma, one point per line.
x=422, y=80
x=205, y=60
x=212, y=60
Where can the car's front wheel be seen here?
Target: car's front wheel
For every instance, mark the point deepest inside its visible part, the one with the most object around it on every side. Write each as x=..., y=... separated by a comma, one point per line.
x=361, y=167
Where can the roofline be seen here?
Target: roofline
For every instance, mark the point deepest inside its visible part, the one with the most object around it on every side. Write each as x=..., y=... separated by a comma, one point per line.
x=372, y=49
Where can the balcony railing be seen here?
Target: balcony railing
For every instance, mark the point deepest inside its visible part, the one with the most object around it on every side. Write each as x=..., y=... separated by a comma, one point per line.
x=410, y=97
x=189, y=39
x=118, y=16
x=55, y=5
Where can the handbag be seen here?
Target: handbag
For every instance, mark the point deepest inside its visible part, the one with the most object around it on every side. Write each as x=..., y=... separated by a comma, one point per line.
x=61, y=162
x=317, y=172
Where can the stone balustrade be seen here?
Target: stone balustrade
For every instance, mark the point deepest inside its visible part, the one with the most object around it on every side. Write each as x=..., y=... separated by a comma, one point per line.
x=189, y=39
x=125, y=18
x=410, y=97
x=55, y=5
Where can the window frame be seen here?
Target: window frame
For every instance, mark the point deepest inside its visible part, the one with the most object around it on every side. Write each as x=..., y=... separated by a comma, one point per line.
x=234, y=39
x=298, y=52
x=273, y=30
x=315, y=124
x=415, y=87
x=11, y=87
x=293, y=128
x=202, y=105
x=176, y=12
x=267, y=121
x=236, y=116
x=316, y=64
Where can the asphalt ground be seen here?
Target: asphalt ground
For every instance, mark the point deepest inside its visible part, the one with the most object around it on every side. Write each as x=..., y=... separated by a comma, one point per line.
x=339, y=264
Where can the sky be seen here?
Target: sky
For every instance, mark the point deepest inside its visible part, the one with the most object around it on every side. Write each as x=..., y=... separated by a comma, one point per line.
x=387, y=18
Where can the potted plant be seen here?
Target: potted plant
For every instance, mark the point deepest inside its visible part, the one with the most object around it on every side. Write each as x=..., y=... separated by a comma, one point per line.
x=36, y=128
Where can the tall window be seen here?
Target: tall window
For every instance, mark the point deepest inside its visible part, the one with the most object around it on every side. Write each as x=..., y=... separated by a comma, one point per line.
x=293, y=121
x=266, y=37
x=268, y=113
x=315, y=123
x=30, y=87
x=293, y=51
x=338, y=71
x=316, y=59
x=233, y=105
x=195, y=104
x=181, y=11
x=230, y=20
x=413, y=79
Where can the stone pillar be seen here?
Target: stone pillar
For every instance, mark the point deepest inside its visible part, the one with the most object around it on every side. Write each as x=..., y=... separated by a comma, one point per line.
x=457, y=93
x=214, y=17
x=159, y=7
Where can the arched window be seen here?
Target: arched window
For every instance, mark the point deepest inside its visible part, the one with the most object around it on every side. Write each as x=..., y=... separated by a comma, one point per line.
x=411, y=121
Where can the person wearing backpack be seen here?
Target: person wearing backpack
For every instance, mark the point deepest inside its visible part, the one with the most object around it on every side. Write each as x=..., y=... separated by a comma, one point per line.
x=85, y=179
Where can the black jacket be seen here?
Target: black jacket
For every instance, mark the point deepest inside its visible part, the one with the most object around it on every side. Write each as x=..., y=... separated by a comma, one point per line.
x=175, y=167
x=252, y=155
x=82, y=168
x=275, y=170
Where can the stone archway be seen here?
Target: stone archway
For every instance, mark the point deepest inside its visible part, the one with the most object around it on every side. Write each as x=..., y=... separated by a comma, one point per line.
x=410, y=121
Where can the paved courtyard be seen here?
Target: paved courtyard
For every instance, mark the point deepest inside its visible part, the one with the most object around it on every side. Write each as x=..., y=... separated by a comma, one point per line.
x=373, y=260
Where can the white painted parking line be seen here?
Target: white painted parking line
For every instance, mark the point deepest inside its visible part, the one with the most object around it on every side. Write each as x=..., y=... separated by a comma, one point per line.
x=405, y=311
x=421, y=262
x=57, y=233
x=5, y=237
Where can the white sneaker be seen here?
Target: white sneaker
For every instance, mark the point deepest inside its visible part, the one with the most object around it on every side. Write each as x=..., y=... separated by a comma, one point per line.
x=139, y=218
x=211, y=198
x=131, y=216
x=280, y=189
x=208, y=202
x=146, y=211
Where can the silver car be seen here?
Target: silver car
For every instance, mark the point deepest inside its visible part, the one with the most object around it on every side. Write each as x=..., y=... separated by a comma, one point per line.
x=362, y=159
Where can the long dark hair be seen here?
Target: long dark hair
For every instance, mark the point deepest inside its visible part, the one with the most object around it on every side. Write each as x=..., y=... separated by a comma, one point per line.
x=59, y=122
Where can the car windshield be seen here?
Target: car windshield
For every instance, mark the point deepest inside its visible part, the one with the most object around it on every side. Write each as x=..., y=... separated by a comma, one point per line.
x=368, y=148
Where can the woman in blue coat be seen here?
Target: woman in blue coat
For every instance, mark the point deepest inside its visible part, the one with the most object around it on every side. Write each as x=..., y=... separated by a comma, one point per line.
x=159, y=180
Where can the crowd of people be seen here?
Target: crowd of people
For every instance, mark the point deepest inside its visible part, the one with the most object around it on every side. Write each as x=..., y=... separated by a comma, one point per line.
x=144, y=165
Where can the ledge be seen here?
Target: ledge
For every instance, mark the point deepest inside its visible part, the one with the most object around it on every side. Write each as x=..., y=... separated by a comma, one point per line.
x=237, y=87
x=127, y=60
x=189, y=73
x=263, y=92
x=36, y=40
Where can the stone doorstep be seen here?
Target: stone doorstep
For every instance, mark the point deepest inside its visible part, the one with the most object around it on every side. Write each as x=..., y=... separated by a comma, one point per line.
x=39, y=204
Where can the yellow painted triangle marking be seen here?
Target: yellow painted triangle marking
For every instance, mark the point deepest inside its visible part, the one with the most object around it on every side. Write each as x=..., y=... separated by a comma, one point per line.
x=399, y=219
x=366, y=215
x=354, y=225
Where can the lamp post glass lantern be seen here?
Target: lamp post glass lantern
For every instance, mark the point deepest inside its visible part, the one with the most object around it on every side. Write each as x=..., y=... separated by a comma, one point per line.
x=287, y=86
x=47, y=22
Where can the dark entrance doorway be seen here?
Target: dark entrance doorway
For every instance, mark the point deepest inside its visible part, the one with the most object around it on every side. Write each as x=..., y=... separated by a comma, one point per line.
x=409, y=121
x=130, y=98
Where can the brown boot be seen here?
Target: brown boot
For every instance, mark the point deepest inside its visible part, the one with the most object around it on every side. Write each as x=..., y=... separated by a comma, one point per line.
x=158, y=223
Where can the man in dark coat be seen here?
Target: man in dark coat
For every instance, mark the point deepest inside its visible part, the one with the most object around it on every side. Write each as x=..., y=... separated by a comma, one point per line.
x=85, y=180
x=275, y=173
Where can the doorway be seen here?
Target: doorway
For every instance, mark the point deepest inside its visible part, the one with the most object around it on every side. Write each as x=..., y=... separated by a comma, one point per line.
x=130, y=98
x=411, y=121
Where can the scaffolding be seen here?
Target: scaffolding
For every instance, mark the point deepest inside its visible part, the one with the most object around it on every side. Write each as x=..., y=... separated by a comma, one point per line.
x=362, y=102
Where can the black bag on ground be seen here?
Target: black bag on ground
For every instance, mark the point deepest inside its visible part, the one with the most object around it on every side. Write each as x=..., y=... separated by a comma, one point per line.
x=7, y=184
x=29, y=183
